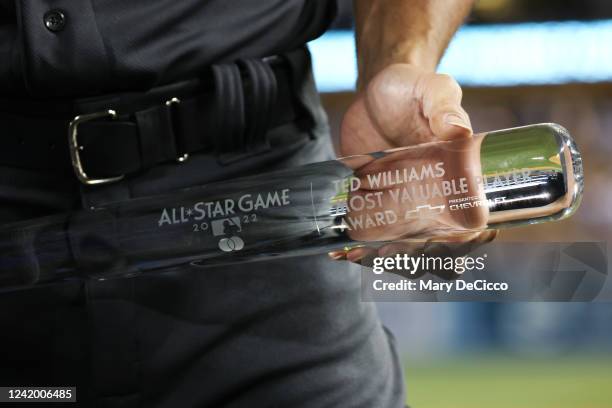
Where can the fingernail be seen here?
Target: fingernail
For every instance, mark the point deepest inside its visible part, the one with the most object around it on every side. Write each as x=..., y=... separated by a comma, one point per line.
x=352, y=257
x=492, y=235
x=337, y=255
x=455, y=120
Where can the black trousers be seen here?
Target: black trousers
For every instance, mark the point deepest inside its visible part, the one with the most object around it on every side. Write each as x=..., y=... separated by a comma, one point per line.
x=286, y=333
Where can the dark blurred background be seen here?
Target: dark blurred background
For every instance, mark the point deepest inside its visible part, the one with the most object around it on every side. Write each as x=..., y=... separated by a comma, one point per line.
x=519, y=62
x=513, y=11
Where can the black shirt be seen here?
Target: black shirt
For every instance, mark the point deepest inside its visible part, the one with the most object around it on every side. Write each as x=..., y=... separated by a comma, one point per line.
x=105, y=46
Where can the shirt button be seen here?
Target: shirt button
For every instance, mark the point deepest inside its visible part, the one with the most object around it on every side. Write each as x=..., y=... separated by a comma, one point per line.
x=55, y=20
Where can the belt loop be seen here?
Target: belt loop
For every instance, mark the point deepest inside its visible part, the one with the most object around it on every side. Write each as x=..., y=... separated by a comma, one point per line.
x=261, y=98
x=229, y=98
x=180, y=146
x=157, y=136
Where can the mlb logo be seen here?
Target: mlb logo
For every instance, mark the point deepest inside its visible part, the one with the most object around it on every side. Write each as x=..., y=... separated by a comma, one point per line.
x=226, y=226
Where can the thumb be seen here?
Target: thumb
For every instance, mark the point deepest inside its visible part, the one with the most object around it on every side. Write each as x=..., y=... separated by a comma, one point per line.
x=450, y=123
x=442, y=107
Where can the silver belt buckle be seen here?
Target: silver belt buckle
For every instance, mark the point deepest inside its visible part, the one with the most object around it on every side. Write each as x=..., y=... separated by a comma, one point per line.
x=75, y=149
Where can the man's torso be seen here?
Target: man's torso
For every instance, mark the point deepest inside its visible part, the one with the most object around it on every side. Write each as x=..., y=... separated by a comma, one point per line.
x=78, y=48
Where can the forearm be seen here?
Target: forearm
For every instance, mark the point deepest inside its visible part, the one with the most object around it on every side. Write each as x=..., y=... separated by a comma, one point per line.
x=404, y=31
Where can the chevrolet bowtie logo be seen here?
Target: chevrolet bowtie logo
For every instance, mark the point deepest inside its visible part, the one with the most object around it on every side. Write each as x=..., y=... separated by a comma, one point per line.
x=423, y=209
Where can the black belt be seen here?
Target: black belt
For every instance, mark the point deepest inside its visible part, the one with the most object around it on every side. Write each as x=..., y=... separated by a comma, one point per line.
x=105, y=138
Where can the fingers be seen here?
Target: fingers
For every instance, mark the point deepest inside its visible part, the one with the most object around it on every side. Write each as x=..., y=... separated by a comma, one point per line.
x=364, y=137
x=441, y=98
x=393, y=105
x=355, y=255
x=480, y=237
x=405, y=105
x=486, y=236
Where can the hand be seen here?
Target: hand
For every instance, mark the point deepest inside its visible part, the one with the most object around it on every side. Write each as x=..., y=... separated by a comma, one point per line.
x=405, y=106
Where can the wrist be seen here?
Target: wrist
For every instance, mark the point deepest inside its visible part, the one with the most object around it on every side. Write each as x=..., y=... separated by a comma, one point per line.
x=373, y=63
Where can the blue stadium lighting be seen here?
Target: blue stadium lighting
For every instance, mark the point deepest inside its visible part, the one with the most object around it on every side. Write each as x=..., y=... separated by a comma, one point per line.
x=493, y=55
